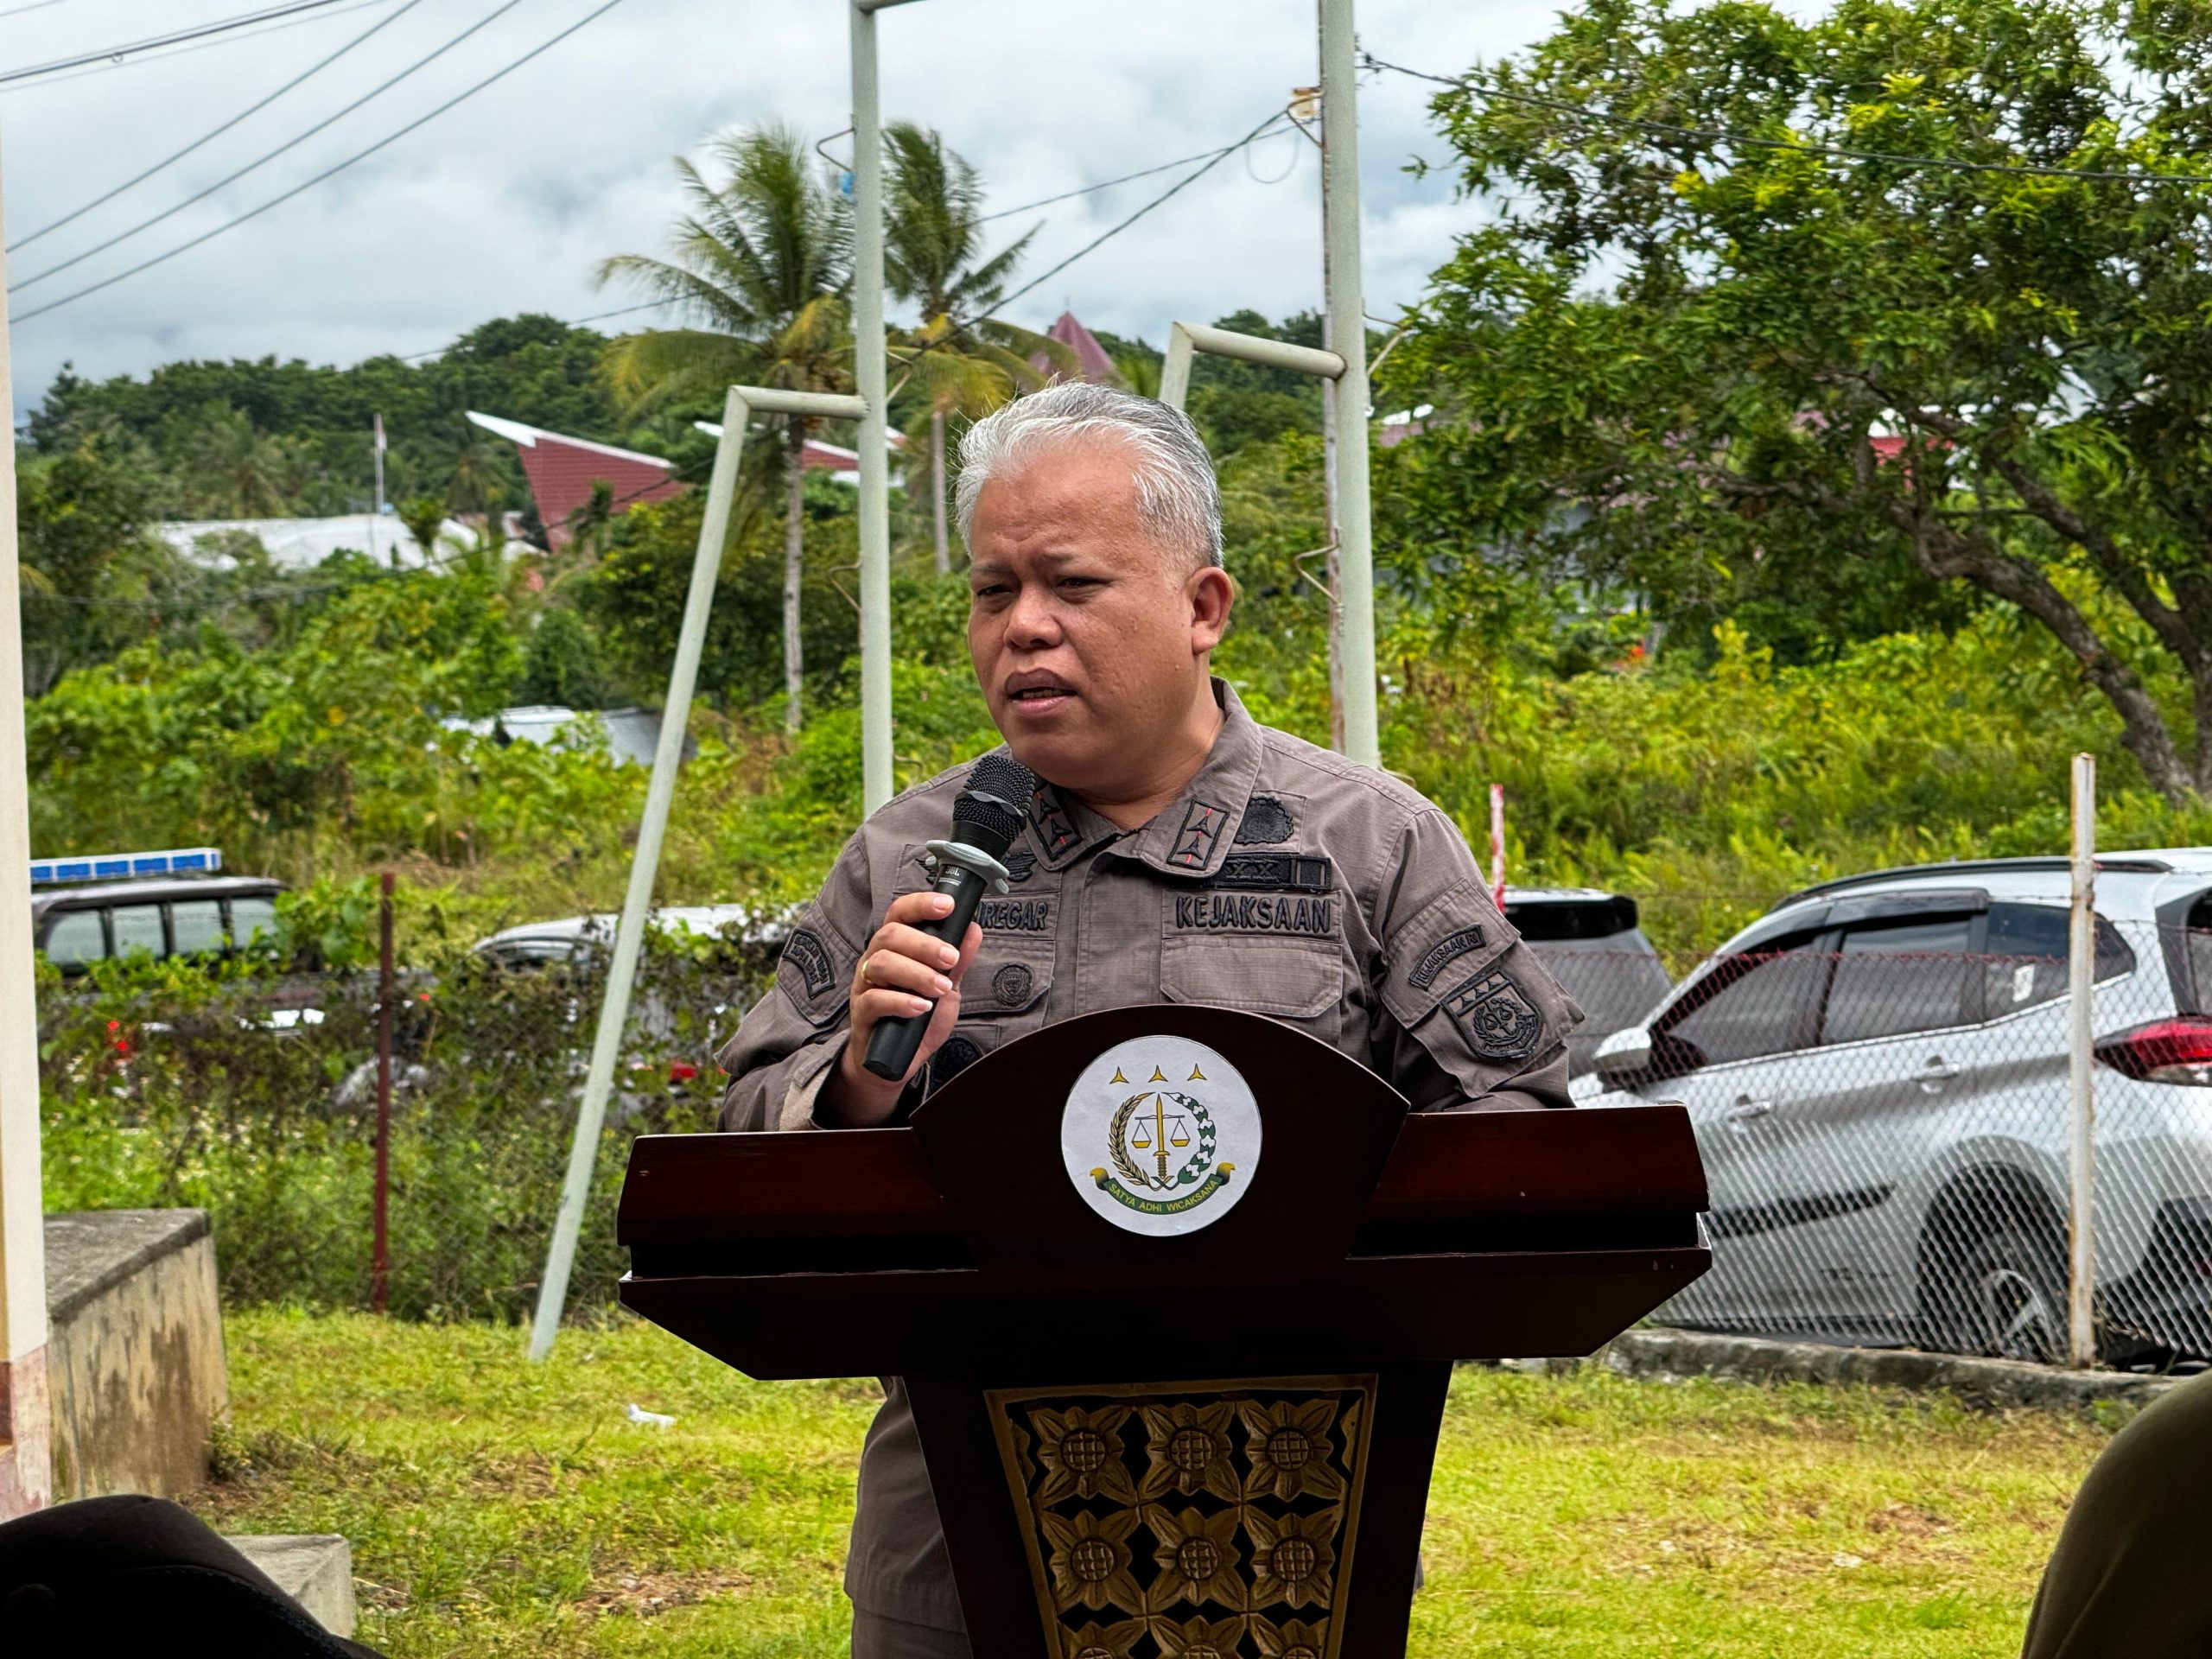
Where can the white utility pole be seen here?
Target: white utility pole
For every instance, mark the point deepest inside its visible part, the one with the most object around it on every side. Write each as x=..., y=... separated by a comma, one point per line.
x=1347, y=338
x=2080, y=1100
x=870, y=375
x=26, y=1467
x=376, y=517
x=1306, y=105
x=739, y=406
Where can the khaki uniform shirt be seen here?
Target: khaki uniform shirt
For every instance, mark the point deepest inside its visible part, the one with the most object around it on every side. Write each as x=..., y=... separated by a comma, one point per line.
x=1285, y=881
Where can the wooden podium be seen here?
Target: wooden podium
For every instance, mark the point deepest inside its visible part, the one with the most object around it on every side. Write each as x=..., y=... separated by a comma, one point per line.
x=1214, y=1444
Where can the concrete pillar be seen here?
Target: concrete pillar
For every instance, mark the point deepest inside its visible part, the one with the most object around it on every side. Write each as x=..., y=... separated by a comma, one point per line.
x=26, y=1463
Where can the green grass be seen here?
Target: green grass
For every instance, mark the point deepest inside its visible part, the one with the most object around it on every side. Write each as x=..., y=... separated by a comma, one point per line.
x=499, y=1507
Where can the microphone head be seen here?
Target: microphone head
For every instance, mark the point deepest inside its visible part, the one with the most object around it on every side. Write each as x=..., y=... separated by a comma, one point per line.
x=993, y=803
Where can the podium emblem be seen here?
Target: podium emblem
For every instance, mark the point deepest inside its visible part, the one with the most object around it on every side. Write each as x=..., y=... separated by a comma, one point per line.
x=1161, y=1135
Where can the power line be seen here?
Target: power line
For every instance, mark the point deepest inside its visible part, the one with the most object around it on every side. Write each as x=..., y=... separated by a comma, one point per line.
x=199, y=32
x=291, y=144
x=1103, y=236
x=1108, y=184
x=1719, y=135
x=140, y=60
x=572, y=323
x=328, y=172
x=214, y=132
x=36, y=5
x=1206, y=156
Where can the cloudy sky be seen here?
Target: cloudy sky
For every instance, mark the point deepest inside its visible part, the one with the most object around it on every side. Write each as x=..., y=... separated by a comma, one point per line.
x=505, y=203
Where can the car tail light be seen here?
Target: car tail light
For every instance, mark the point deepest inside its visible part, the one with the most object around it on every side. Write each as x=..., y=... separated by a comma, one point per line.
x=684, y=1072
x=2164, y=1050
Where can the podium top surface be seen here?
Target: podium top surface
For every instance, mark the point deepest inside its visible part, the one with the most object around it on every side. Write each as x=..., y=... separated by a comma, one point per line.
x=1442, y=1234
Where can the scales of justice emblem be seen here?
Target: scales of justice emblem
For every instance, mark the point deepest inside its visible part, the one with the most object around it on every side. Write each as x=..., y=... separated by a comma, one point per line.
x=1161, y=1135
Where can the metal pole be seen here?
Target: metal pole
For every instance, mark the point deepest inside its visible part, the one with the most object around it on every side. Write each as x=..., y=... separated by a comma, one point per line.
x=1347, y=314
x=1497, y=845
x=376, y=517
x=387, y=987
x=1184, y=337
x=629, y=933
x=2080, y=1100
x=868, y=374
x=26, y=1469
x=1175, y=366
x=1333, y=576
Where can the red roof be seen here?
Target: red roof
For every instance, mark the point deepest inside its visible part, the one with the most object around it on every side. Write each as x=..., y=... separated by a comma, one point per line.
x=562, y=471
x=1091, y=361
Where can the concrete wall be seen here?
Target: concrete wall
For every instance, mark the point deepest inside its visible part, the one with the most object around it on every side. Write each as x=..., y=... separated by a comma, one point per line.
x=135, y=1362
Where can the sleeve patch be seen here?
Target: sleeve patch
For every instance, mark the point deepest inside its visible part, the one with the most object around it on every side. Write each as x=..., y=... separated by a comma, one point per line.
x=1498, y=1019
x=1445, y=950
x=805, y=951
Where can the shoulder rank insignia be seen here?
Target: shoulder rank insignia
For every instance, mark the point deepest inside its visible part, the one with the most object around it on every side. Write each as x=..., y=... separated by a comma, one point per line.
x=1054, y=830
x=1201, y=828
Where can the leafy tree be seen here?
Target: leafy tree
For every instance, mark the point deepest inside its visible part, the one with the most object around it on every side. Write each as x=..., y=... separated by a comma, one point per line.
x=959, y=360
x=93, y=579
x=532, y=368
x=560, y=665
x=758, y=267
x=1234, y=403
x=237, y=471
x=1698, y=348
x=632, y=600
x=423, y=516
x=588, y=523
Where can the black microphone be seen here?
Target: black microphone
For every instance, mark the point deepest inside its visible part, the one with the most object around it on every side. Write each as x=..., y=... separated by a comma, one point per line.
x=986, y=817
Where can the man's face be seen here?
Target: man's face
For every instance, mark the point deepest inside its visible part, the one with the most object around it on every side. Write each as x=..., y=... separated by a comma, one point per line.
x=1089, y=636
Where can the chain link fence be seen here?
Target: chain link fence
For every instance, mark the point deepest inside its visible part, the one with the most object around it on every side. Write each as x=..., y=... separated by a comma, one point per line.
x=253, y=1094
x=1882, y=1105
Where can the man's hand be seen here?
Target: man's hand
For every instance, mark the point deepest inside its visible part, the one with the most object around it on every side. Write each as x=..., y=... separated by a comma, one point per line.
x=902, y=971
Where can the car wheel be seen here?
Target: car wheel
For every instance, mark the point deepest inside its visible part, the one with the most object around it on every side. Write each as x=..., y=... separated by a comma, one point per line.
x=2007, y=1296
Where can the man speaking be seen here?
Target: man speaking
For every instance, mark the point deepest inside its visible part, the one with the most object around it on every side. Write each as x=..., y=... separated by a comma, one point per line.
x=1175, y=851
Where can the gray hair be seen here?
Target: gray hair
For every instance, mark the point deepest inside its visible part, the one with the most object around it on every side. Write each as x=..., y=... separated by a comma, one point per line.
x=1177, y=496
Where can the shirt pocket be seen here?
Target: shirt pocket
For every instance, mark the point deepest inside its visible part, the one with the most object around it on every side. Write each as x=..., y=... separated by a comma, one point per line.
x=1300, y=982
x=1007, y=994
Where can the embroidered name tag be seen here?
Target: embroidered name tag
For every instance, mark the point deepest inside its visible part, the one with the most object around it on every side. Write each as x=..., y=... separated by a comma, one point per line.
x=1015, y=915
x=1276, y=871
x=1448, y=948
x=806, y=952
x=1244, y=912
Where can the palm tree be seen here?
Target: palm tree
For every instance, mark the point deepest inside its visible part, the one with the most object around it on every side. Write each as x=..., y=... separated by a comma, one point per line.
x=757, y=268
x=959, y=360
x=241, y=471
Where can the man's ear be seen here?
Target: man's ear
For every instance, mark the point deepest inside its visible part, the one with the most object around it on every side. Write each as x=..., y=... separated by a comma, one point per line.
x=1211, y=592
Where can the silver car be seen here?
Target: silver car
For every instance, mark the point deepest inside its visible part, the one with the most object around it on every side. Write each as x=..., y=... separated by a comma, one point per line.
x=1877, y=1071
